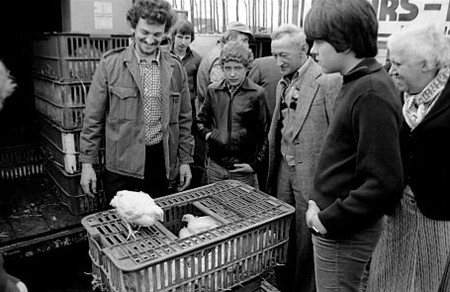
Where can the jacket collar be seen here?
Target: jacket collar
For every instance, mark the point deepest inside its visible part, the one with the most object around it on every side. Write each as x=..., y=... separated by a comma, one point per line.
x=247, y=85
x=363, y=68
x=310, y=70
x=188, y=52
x=298, y=74
x=163, y=57
x=148, y=60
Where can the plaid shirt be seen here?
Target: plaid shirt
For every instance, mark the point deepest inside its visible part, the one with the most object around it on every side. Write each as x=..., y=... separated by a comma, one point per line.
x=152, y=98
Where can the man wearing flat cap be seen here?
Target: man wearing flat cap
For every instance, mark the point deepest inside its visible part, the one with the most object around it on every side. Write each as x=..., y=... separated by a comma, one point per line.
x=210, y=69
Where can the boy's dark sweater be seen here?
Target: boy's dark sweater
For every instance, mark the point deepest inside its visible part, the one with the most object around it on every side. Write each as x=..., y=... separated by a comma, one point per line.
x=359, y=174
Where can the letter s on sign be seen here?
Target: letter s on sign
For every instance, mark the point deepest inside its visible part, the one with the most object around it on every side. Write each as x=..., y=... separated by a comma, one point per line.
x=388, y=9
x=412, y=8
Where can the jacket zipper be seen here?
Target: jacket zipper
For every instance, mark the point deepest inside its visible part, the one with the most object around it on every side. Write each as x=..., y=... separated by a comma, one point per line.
x=229, y=123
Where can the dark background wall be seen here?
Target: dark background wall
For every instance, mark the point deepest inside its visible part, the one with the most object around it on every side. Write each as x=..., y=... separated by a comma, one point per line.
x=19, y=21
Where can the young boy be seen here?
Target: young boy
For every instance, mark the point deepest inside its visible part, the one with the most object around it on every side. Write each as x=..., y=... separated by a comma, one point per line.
x=182, y=36
x=359, y=173
x=234, y=120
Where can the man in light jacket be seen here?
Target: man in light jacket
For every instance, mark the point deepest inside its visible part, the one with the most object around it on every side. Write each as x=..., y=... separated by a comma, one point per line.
x=139, y=100
x=303, y=108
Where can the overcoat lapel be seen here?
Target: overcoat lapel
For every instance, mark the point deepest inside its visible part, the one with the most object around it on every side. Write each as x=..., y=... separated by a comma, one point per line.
x=307, y=88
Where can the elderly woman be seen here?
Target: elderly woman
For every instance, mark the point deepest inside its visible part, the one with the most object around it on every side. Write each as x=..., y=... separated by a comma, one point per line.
x=414, y=249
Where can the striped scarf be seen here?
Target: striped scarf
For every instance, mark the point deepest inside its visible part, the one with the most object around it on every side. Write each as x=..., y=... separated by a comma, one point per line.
x=417, y=106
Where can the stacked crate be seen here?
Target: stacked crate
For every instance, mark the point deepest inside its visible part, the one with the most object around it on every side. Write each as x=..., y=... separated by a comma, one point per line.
x=63, y=65
x=252, y=237
x=21, y=161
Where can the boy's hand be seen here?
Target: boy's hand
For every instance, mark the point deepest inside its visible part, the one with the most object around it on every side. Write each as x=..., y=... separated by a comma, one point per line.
x=242, y=167
x=312, y=219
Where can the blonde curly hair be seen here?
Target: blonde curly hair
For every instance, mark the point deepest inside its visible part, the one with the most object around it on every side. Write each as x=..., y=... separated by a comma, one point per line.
x=236, y=52
x=7, y=84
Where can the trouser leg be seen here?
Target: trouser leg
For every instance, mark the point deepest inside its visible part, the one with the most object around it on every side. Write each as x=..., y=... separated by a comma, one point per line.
x=340, y=264
x=299, y=271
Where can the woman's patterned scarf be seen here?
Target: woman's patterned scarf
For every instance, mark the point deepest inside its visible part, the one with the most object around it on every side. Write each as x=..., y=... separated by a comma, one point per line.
x=417, y=106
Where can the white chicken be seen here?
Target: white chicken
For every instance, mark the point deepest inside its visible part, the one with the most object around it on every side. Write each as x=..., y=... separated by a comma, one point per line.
x=197, y=225
x=136, y=208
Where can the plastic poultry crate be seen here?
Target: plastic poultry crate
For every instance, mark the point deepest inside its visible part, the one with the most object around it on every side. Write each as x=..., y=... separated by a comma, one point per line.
x=68, y=94
x=251, y=238
x=64, y=146
x=69, y=191
x=67, y=117
x=72, y=56
x=21, y=161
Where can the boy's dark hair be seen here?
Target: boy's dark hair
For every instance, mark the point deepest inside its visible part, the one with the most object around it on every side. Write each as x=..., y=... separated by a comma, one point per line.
x=154, y=11
x=183, y=27
x=344, y=24
x=236, y=52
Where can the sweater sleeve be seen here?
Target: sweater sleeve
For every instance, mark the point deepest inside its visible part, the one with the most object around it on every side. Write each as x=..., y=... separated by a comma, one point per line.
x=377, y=184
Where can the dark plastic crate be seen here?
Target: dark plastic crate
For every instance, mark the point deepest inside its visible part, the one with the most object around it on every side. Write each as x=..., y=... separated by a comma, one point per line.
x=64, y=94
x=68, y=190
x=72, y=56
x=21, y=161
x=66, y=117
x=252, y=237
x=64, y=146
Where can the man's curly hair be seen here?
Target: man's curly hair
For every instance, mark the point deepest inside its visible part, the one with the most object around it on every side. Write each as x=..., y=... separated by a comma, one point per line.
x=154, y=11
x=236, y=52
x=7, y=84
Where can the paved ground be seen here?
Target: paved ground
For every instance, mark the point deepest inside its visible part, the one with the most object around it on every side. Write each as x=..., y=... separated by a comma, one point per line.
x=28, y=208
x=65, y=269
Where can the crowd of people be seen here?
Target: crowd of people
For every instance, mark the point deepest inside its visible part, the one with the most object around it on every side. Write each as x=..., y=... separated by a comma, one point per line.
x=360, y=149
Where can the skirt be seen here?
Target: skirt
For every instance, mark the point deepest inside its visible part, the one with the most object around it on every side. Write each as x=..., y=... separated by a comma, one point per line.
x=412, y=253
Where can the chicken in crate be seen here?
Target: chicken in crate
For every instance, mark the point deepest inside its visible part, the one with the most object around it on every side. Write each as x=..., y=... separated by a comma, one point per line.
x=136, y=208
x=211, y=238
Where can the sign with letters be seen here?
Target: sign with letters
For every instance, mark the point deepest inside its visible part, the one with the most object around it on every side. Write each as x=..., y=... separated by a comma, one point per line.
x=394, y=14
